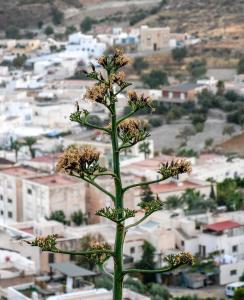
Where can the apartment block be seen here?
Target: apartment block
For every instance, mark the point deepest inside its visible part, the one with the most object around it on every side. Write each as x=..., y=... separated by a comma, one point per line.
x=46, y=194
x=11, y=200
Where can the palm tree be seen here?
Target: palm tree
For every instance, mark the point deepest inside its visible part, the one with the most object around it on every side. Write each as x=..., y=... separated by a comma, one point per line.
x=145, y=148
x=15, y=145
x=29, y=142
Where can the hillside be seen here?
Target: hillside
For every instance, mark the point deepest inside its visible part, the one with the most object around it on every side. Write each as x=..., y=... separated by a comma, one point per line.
x=209, y=16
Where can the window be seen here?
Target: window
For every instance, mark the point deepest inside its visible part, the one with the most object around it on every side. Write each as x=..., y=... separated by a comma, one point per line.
x=29, y=191
x=234, y=248
x=233, y=272
x=10, y=200
x=132, y=250
x=182, y=243
x=1, y=212
x=10, y=214
x=1, y=197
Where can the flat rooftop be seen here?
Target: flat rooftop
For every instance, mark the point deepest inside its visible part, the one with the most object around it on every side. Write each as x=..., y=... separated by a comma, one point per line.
x=20, y=171
x=175, y=186
x=184, y=87
x=50, y=158
x=54, y=180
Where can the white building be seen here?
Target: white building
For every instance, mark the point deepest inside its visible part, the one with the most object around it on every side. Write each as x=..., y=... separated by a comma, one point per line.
x=86, y=44
x=11, y=201
x=46, y=194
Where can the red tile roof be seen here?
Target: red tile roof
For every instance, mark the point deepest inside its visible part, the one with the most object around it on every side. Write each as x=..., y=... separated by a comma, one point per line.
x=175, y=186
x=221, y=226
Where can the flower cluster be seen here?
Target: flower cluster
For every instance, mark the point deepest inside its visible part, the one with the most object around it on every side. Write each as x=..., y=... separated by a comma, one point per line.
x=137, y=102
x=45, y=243
x=151, y=206
x=175, y=167
x=116, y=214
x=116, y=61
x=79, y=160
x=119, y=59
x=132, y=131
x=99, y=257
x=97, y=93
x=182, y=258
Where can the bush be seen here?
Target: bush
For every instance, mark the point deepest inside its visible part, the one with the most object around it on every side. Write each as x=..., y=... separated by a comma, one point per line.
x=240, y=67
x=57, y=16
x=155, y=79
x=179, y=54
x=155, y=121
x=104, y=282
x=199, y=126
x=139, y=64
x=86, y=24
x=49, y=30
x=197, y=68
x=12, y=33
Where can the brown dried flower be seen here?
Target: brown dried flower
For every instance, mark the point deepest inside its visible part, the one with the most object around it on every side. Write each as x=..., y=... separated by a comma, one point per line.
x=136, y=101
x=175, y=167
x=78, y=160
x=120, y=60
x=103, y=60
x=97, y=93
x=101, y=257
x=118, y=78
x=132, y=125
x=182, y=258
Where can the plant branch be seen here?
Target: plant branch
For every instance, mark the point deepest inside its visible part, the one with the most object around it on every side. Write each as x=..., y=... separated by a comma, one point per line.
x=131, y=113
x=103, y=269
x=139, y=221
x=143, y=183
x=160, y=270
x=73, y=252
x=92, y=182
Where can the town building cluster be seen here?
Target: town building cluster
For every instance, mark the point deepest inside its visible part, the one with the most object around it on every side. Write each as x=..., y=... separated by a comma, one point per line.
x=37, y=103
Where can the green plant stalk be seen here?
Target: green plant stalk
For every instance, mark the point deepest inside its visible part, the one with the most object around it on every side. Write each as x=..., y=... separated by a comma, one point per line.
x=120, y=230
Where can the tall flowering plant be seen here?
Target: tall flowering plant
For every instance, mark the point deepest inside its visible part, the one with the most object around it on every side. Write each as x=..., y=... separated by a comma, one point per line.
x=83, y=163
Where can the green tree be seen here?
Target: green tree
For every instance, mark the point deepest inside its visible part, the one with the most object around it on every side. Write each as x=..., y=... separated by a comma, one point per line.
x=40, y=24
x=229, y=195
x=158, y=292
x=103, y=282
x=30, y=142
x=49, y=30
x=58, y=216
x=220, y=87
x=147, y=261
x=240, y=66
x=57, y=16
x=70, y=29
x=140, y=64
x=16, y=146
x=12, y=32
x=155, y=79
x=77, y=217
x=179, y=54
x=197, y=68
x=208, y=143
x=228, y=130
x=239, y=294
x=86, y=24
x=173, y=202
x=83, y=162
x=19, y=60
x=147, y=194
x=144, y=147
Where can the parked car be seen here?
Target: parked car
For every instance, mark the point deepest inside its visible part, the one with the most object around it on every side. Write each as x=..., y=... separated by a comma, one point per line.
x=232, y=287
